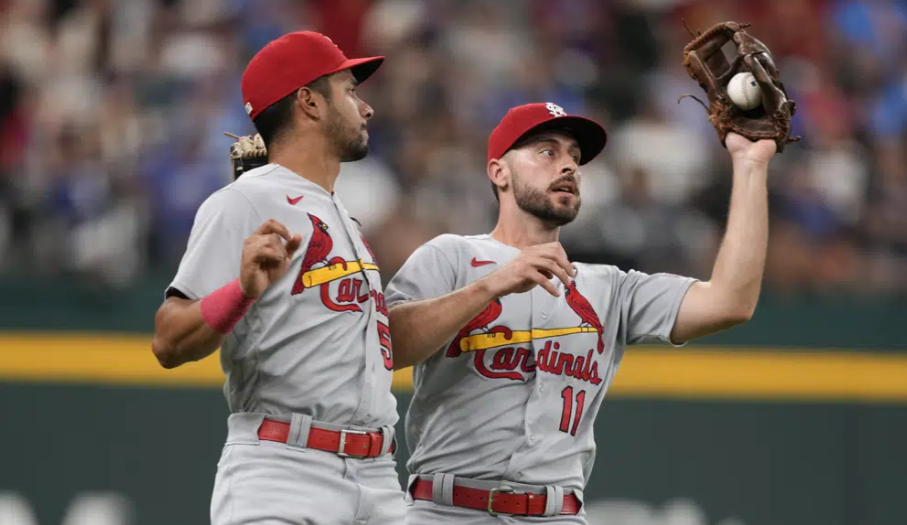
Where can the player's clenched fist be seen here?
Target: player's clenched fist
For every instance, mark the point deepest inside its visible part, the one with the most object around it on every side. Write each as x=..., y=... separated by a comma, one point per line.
x=534, y=266
x=266, y=257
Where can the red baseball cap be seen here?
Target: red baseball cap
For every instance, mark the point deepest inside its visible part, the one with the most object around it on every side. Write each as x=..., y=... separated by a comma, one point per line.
x=545, y=116
x=292, y=61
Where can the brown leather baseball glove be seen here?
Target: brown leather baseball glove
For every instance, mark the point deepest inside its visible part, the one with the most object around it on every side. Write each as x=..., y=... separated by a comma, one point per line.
x=707, y=64
x=247, y=153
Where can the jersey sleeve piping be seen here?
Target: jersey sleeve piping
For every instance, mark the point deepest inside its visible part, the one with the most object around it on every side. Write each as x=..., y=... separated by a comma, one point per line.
x=184, y=289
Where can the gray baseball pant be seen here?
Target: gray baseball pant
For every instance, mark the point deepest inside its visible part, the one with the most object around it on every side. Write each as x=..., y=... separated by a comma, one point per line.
x=269, y=483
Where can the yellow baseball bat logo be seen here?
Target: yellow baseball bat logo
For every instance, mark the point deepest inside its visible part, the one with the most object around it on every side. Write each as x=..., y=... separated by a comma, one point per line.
x=496, y=339
x=333, y=272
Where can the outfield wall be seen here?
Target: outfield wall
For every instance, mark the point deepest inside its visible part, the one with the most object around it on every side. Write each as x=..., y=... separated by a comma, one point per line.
x=799, y=417
x=93, y=427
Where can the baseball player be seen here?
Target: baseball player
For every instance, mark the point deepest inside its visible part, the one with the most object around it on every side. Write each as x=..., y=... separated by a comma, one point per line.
x=514, y=346
x=278, y=276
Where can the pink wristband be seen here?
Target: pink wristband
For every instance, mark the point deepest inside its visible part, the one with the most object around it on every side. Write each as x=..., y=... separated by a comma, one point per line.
x=224, y=307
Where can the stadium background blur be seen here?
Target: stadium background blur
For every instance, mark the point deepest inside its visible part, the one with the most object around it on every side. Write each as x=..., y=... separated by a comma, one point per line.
x=112, y=115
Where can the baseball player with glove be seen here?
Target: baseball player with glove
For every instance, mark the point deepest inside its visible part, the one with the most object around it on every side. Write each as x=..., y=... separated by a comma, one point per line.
x=514, y=345
x=278, y=276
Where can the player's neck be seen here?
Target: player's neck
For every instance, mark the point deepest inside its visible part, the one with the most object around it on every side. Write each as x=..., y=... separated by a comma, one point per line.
x=521, y=230
x=314, y=164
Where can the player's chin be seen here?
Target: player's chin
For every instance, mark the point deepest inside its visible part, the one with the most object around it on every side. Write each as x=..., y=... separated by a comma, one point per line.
x=565, y=209
x=355, y=152
x=563, y=199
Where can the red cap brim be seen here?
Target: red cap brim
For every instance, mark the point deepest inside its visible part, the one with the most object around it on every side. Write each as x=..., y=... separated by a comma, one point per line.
x=590, y=135
x=361, y=68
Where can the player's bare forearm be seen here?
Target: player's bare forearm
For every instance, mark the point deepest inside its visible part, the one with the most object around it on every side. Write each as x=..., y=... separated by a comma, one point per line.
x=181, y=334
x=420, y=328
x=729, y=298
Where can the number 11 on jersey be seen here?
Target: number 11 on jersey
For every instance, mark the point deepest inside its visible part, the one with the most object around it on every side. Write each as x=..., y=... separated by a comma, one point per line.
x=567, y=394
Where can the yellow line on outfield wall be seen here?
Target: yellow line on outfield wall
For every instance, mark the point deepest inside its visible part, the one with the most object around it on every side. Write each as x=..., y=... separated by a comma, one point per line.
x=646, y=372
x=107, y=359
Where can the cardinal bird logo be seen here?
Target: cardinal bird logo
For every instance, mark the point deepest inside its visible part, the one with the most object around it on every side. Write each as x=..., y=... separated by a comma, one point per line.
x=583, y=309
x=479, y=322
x=320, y=246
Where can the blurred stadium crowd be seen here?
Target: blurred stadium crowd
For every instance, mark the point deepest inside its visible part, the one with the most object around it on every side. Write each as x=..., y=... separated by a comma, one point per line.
x=112, y=113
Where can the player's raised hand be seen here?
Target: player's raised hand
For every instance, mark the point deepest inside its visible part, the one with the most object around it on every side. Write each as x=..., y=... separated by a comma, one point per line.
x=743, y=150
x=534, y=266
x=266, y=257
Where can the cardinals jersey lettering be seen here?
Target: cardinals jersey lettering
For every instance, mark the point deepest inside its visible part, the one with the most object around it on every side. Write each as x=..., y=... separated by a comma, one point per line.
x=514, y=395
x=316, y=342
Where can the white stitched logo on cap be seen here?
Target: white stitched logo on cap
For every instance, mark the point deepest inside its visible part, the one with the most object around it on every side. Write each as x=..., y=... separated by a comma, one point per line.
x=248, y=107
x=555, y=110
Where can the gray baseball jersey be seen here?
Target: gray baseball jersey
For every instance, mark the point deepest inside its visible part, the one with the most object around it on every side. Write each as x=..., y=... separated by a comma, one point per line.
x=316, y=342
x=514, y=395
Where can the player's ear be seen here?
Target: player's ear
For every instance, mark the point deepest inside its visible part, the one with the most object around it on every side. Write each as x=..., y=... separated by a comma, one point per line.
x=310, y=102
x=499, y=173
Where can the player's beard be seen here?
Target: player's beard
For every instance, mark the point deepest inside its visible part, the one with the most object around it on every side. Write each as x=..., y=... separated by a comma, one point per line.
x=538, y=203
x=347, y=139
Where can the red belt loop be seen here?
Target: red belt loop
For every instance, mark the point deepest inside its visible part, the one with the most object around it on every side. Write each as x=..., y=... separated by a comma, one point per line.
x=499, y=501
x=344, y=443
